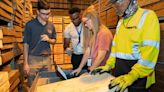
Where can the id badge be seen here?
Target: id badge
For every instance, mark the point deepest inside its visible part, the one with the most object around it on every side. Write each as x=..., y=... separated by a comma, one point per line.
x=89, y=63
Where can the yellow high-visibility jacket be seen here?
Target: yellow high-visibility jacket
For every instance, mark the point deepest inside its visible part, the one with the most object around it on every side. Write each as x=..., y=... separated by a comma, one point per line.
x=138, y=38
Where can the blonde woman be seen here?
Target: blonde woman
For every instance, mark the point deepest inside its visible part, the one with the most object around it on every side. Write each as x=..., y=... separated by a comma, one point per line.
x=98, y=39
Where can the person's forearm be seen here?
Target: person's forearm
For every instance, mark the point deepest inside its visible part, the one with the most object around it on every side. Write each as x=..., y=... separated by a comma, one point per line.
x=66, y=46
x=52, y=41
x=26, y=53
x=66, y=43
x=85, y=58
x=98, y=60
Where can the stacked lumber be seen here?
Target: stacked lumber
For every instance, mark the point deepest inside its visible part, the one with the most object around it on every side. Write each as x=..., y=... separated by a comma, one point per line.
x=4, y=82
x=6, y=10
x=58, y=47
x=18, y=45
x=14, y=80
x=19, y=11
x=67, y=21
x=67, y=59
x=28, y=11
x=60, y=23
x=6, y=44
x=11, y=42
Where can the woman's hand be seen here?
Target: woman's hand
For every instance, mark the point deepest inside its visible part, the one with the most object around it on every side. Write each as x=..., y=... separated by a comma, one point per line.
x=76, y=72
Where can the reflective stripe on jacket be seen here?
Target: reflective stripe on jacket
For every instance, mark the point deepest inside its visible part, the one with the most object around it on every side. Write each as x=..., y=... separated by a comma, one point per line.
x=138, y=38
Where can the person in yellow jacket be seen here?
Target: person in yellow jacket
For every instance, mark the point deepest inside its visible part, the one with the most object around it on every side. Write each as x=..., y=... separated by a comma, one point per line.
x=135, y=48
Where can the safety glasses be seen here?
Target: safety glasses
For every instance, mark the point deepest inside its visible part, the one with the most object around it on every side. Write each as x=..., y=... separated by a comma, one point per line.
x=117, y=1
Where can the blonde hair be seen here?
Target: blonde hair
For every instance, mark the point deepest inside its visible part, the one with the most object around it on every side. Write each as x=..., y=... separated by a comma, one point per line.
x=89, y=37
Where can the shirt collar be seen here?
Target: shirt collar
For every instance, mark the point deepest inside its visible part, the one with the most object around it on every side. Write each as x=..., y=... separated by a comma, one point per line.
x=135, y=19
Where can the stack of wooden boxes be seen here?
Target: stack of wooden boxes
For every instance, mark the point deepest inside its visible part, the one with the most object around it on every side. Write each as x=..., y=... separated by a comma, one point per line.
x=60, y=57
x=11, y=39
x=28, y=11
x=66, y=20
x=58, y=47
x=4, y=82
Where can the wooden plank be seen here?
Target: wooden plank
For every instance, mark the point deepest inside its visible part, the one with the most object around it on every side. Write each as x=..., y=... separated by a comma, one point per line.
x=6, y=8
x=58, y=49
x=19, y=39
x=18, y=28
x=146, y=2
x=104, y=5
x=18, y=49
x=16, y=89
x=8, y=39
x=160, y=13
x=59, y=38
x=18, y=34
x=5, y=87
x=7, y=46
x=7, y=56
x=112, y=22
x=58, y=27
x=156, y=6
x=3, y=77
x=19, y=10
x=67, y=20
x=13, y=76
x=86, y=83
x=4, y=82
x=8, y=32
x=8, y=2
x=59, y=58
x=19, y=15
x=5, y=14
x=57, y=20
x=18, y=20
x=67, y=59
x=14, y=85
x=19, y=3
x=1, y=44
x=14, y=79
x=112, y=18
x=103, y=17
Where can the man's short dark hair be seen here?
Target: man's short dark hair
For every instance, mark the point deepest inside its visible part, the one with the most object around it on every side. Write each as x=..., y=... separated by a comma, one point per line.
x=43, y=4
x=74, y=10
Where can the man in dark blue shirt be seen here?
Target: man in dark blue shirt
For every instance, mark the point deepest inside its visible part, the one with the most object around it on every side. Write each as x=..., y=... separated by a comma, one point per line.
x=38, y=35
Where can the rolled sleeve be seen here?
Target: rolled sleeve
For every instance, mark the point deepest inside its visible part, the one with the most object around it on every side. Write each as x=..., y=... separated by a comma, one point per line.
x=27, y=34
x=67, y=33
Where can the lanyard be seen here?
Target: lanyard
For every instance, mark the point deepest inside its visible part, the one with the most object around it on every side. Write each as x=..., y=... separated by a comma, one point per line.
x=79, y=37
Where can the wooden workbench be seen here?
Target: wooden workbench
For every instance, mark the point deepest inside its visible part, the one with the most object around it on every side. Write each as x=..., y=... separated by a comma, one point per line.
x=86, y=83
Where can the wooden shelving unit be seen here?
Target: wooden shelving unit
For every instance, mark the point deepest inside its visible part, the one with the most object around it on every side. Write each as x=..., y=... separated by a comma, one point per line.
x=11, y=39
x=60, y=57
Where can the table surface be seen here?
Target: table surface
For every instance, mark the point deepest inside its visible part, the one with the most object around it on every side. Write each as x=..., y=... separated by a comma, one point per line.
x=85, y=83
